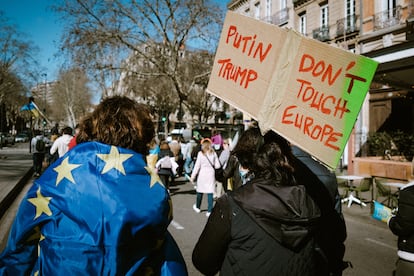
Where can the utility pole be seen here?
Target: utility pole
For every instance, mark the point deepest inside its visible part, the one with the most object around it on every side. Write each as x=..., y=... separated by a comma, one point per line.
x=44, y=103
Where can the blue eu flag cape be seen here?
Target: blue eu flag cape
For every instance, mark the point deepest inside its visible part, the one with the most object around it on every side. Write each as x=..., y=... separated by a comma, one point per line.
x=98, y=210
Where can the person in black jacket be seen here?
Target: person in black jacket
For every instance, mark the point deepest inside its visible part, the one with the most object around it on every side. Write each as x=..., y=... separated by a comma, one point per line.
x=322, y=186
x=241, y=157
x=165, y=171
x=402, y=225
x=265, y=227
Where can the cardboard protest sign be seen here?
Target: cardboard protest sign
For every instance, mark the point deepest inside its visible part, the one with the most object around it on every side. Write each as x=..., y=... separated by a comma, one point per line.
x=305, y=90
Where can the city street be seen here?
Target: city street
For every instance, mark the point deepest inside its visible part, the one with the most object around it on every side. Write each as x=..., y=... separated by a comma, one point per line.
x=334, y=78
x=371, y=247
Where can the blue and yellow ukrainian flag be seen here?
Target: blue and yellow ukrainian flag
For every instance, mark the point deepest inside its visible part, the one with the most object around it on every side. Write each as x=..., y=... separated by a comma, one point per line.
x=98, y=210
x=32, y=108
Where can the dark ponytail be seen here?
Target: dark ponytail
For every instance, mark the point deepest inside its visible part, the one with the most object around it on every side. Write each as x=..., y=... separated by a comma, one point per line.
x=271, y=163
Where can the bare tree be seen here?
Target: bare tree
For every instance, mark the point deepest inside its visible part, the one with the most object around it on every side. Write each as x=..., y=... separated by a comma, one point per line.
x=71, y=96
x=17, y=70
x=197, y=71
x=156, y=33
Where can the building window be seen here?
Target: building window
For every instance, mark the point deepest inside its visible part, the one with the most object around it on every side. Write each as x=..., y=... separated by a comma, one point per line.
x=350, y=7
x=302, y=23
x=268, y=8
x=257, y=10
x=388, y=5
x=391, y=7
x=283, y=4
x=324, y=23
x=350, y=14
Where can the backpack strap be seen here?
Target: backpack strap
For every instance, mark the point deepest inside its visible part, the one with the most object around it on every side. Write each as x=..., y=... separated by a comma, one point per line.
x=208, y=159
x=215, y=155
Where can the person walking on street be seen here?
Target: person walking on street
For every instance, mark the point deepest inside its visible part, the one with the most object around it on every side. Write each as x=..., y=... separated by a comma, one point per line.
x=99, y=210
x=164, y=164
x=218, y=191
x=224, y=158
x=321, y=185
x=265, y=227
x=54, y=132
x=38, y=148
x=240, y=159
x=72, y=141
x=402, y=225
x=186, y=149
x=61, y=144
x=204, y=168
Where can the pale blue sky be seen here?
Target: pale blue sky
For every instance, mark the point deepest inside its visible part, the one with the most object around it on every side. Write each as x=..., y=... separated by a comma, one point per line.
x=41, y=25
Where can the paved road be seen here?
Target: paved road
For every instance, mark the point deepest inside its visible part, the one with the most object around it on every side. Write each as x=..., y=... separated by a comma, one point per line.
x=371, y=247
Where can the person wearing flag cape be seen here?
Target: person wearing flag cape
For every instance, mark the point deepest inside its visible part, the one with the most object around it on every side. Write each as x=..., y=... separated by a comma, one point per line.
x=99, y=209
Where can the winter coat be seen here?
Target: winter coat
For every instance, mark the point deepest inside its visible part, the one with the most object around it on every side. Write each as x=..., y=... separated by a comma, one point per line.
x=185, y=150
x=204, y=171
x=61, y=145
x=322, y=186
x=232, y=171
x=224, y=157
x=402, y=224
x=34, y=140
x=161, y=154
x=259, y=229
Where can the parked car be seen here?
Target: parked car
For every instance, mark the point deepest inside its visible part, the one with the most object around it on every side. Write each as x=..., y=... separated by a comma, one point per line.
x=21, y=138
x=6, y=139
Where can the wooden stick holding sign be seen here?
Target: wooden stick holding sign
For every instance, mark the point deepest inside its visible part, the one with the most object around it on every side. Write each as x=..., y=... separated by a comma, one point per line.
x=305, y=90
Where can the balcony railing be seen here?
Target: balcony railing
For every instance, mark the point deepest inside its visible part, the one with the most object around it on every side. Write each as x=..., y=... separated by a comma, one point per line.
x=299, y=2
x=321, y=34
x=279, y=17
x=388, y=18
x=346, y=25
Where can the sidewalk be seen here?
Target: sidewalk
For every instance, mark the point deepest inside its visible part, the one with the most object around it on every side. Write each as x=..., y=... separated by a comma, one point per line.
x=15, y=167
x=15, y=172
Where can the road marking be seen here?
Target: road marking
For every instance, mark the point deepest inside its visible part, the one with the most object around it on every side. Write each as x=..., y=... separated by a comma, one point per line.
x=176, y=225
x=381, y=243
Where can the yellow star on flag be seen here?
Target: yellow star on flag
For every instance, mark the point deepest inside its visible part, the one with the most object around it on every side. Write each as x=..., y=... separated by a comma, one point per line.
x=114, y=160
x=64, y=170
x=41, y=203
x=154, y=176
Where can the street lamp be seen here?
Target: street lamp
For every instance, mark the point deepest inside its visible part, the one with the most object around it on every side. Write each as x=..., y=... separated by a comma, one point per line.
x=44, y=92
x=44, y=102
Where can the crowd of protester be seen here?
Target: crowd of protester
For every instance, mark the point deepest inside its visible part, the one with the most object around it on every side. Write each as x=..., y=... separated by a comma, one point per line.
x=272, y=211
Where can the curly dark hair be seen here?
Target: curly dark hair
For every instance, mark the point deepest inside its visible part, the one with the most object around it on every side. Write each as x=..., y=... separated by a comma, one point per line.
x=272, y=163
x=284, y=144
x=119, y=121
x=248, y=145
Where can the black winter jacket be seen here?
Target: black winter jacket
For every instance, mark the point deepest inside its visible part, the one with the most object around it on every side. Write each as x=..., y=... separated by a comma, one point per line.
x=322, y=186
x=232, y=171
x=259, y=229
x=402, y=224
